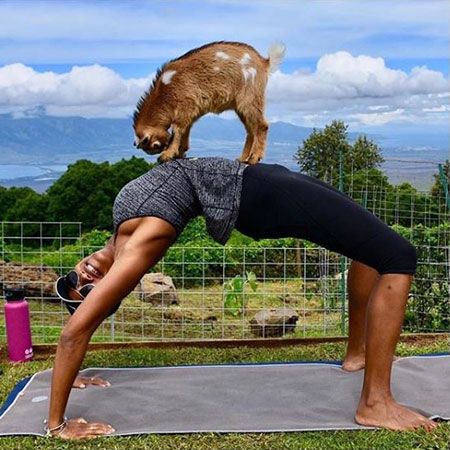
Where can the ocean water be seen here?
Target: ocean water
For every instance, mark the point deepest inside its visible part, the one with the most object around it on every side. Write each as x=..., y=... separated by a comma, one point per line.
x=14, y=171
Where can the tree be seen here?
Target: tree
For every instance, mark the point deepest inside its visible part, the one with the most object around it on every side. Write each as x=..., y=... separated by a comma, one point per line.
x=124, y=170
x=439, y=197
x=9, y=198
x=369, y=187
x=437, y=189
x=30, y=207
x=79, y=194
x=319, y=155
x=362, y=155
x=86, y=191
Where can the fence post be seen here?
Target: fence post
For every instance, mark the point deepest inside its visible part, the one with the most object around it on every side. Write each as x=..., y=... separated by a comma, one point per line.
x=444, y=183
x=112, y=329
x=343, y=283
x=298, y=257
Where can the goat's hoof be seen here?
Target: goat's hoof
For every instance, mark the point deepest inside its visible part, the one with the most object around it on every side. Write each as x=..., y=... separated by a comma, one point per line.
x=243, y=160
x=165, y=158
x=252, y=159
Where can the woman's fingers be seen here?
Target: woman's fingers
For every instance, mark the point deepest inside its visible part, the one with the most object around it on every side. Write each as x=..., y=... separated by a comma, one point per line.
x=100, y=431
x=79, y=383
x=80, y=429
x=82, y=382
x=101, y=426
x=99, y=382
x=98, y=428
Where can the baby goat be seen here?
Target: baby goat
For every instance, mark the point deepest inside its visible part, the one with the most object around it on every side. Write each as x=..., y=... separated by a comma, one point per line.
x=213, y=78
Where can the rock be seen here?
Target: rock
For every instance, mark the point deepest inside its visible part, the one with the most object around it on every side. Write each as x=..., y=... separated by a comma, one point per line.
x=38, y=281
x=210, y=318
x=274, y=322
x=174, y=315
x=157, y=288
x=287, y=299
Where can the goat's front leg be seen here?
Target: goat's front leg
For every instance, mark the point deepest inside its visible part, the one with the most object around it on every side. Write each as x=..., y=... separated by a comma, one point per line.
x=247, y=147
x=173, y=150
x=184, y=146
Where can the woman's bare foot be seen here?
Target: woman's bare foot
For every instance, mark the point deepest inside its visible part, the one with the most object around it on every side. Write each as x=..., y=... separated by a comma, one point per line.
x=352, y=363
x=391, y=415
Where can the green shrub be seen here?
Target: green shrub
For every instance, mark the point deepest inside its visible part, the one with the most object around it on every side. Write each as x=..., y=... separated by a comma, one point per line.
x=429, y=306
x=95, y=238
x=235, y=301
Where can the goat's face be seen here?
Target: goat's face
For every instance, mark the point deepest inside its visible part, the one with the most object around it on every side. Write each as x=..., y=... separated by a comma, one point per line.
x=152, y=140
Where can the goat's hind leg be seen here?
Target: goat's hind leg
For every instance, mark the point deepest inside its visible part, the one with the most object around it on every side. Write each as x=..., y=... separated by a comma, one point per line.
x=259, y=142
x=256, y=126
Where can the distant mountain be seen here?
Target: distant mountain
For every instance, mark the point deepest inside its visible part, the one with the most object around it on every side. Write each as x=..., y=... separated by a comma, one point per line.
x=62, y=140
x=46, y=140
x=50, y=143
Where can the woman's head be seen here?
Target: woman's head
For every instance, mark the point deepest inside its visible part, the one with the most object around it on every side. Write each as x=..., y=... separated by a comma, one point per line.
x=77, y=283
x=95, y=266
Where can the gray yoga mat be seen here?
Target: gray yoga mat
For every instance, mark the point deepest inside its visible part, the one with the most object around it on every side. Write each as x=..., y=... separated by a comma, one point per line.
x=229, y=398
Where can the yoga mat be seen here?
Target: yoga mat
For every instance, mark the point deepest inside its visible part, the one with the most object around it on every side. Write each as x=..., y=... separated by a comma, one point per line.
x=301, y=396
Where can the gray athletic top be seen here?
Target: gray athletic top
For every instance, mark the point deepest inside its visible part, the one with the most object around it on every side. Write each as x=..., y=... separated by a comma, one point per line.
x=179, y=190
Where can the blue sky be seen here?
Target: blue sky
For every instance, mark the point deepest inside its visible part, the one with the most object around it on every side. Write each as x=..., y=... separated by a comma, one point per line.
x=372, y=63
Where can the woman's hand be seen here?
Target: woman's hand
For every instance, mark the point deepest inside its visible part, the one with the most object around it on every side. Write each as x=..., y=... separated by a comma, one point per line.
x=82, y=382
x=80, y=429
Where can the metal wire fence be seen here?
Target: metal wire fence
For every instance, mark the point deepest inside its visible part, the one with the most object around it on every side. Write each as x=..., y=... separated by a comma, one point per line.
x=305, y=284
x=300, y=288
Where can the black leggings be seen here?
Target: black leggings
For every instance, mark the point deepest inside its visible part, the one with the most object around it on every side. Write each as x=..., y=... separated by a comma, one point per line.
x=276, y=202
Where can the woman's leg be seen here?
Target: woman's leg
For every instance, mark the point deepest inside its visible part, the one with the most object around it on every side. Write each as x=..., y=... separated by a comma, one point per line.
x=360, y=283
x=386, y=309
x=278, y=203
x=361, y=279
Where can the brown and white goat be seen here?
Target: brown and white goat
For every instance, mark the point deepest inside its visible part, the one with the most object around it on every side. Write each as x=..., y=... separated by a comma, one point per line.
x=213, y=78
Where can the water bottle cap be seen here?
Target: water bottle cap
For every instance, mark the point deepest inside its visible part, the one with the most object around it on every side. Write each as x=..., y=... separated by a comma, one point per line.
x=14, y=294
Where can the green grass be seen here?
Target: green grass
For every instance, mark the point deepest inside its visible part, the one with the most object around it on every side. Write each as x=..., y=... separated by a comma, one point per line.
x=382, y=439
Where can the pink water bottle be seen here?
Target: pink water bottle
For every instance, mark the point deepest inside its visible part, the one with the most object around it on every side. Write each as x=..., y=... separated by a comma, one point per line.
x=18, y=330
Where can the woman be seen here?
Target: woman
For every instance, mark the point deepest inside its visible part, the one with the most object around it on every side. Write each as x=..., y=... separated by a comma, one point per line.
x=261, y=201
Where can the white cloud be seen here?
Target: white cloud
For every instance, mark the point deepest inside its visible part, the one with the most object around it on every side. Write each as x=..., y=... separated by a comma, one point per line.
x=382, y=118
x=343, y=76
x=89, y=91
x=359, y=89
x=362, y=88
x=378, y=107
x=441, y=108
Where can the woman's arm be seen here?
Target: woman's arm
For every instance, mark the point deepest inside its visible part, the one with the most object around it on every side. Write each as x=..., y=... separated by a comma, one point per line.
x=82, y=382
x=142, y=250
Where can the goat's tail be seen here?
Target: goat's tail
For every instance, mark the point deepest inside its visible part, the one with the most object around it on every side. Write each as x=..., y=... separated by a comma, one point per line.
x=276, y=55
